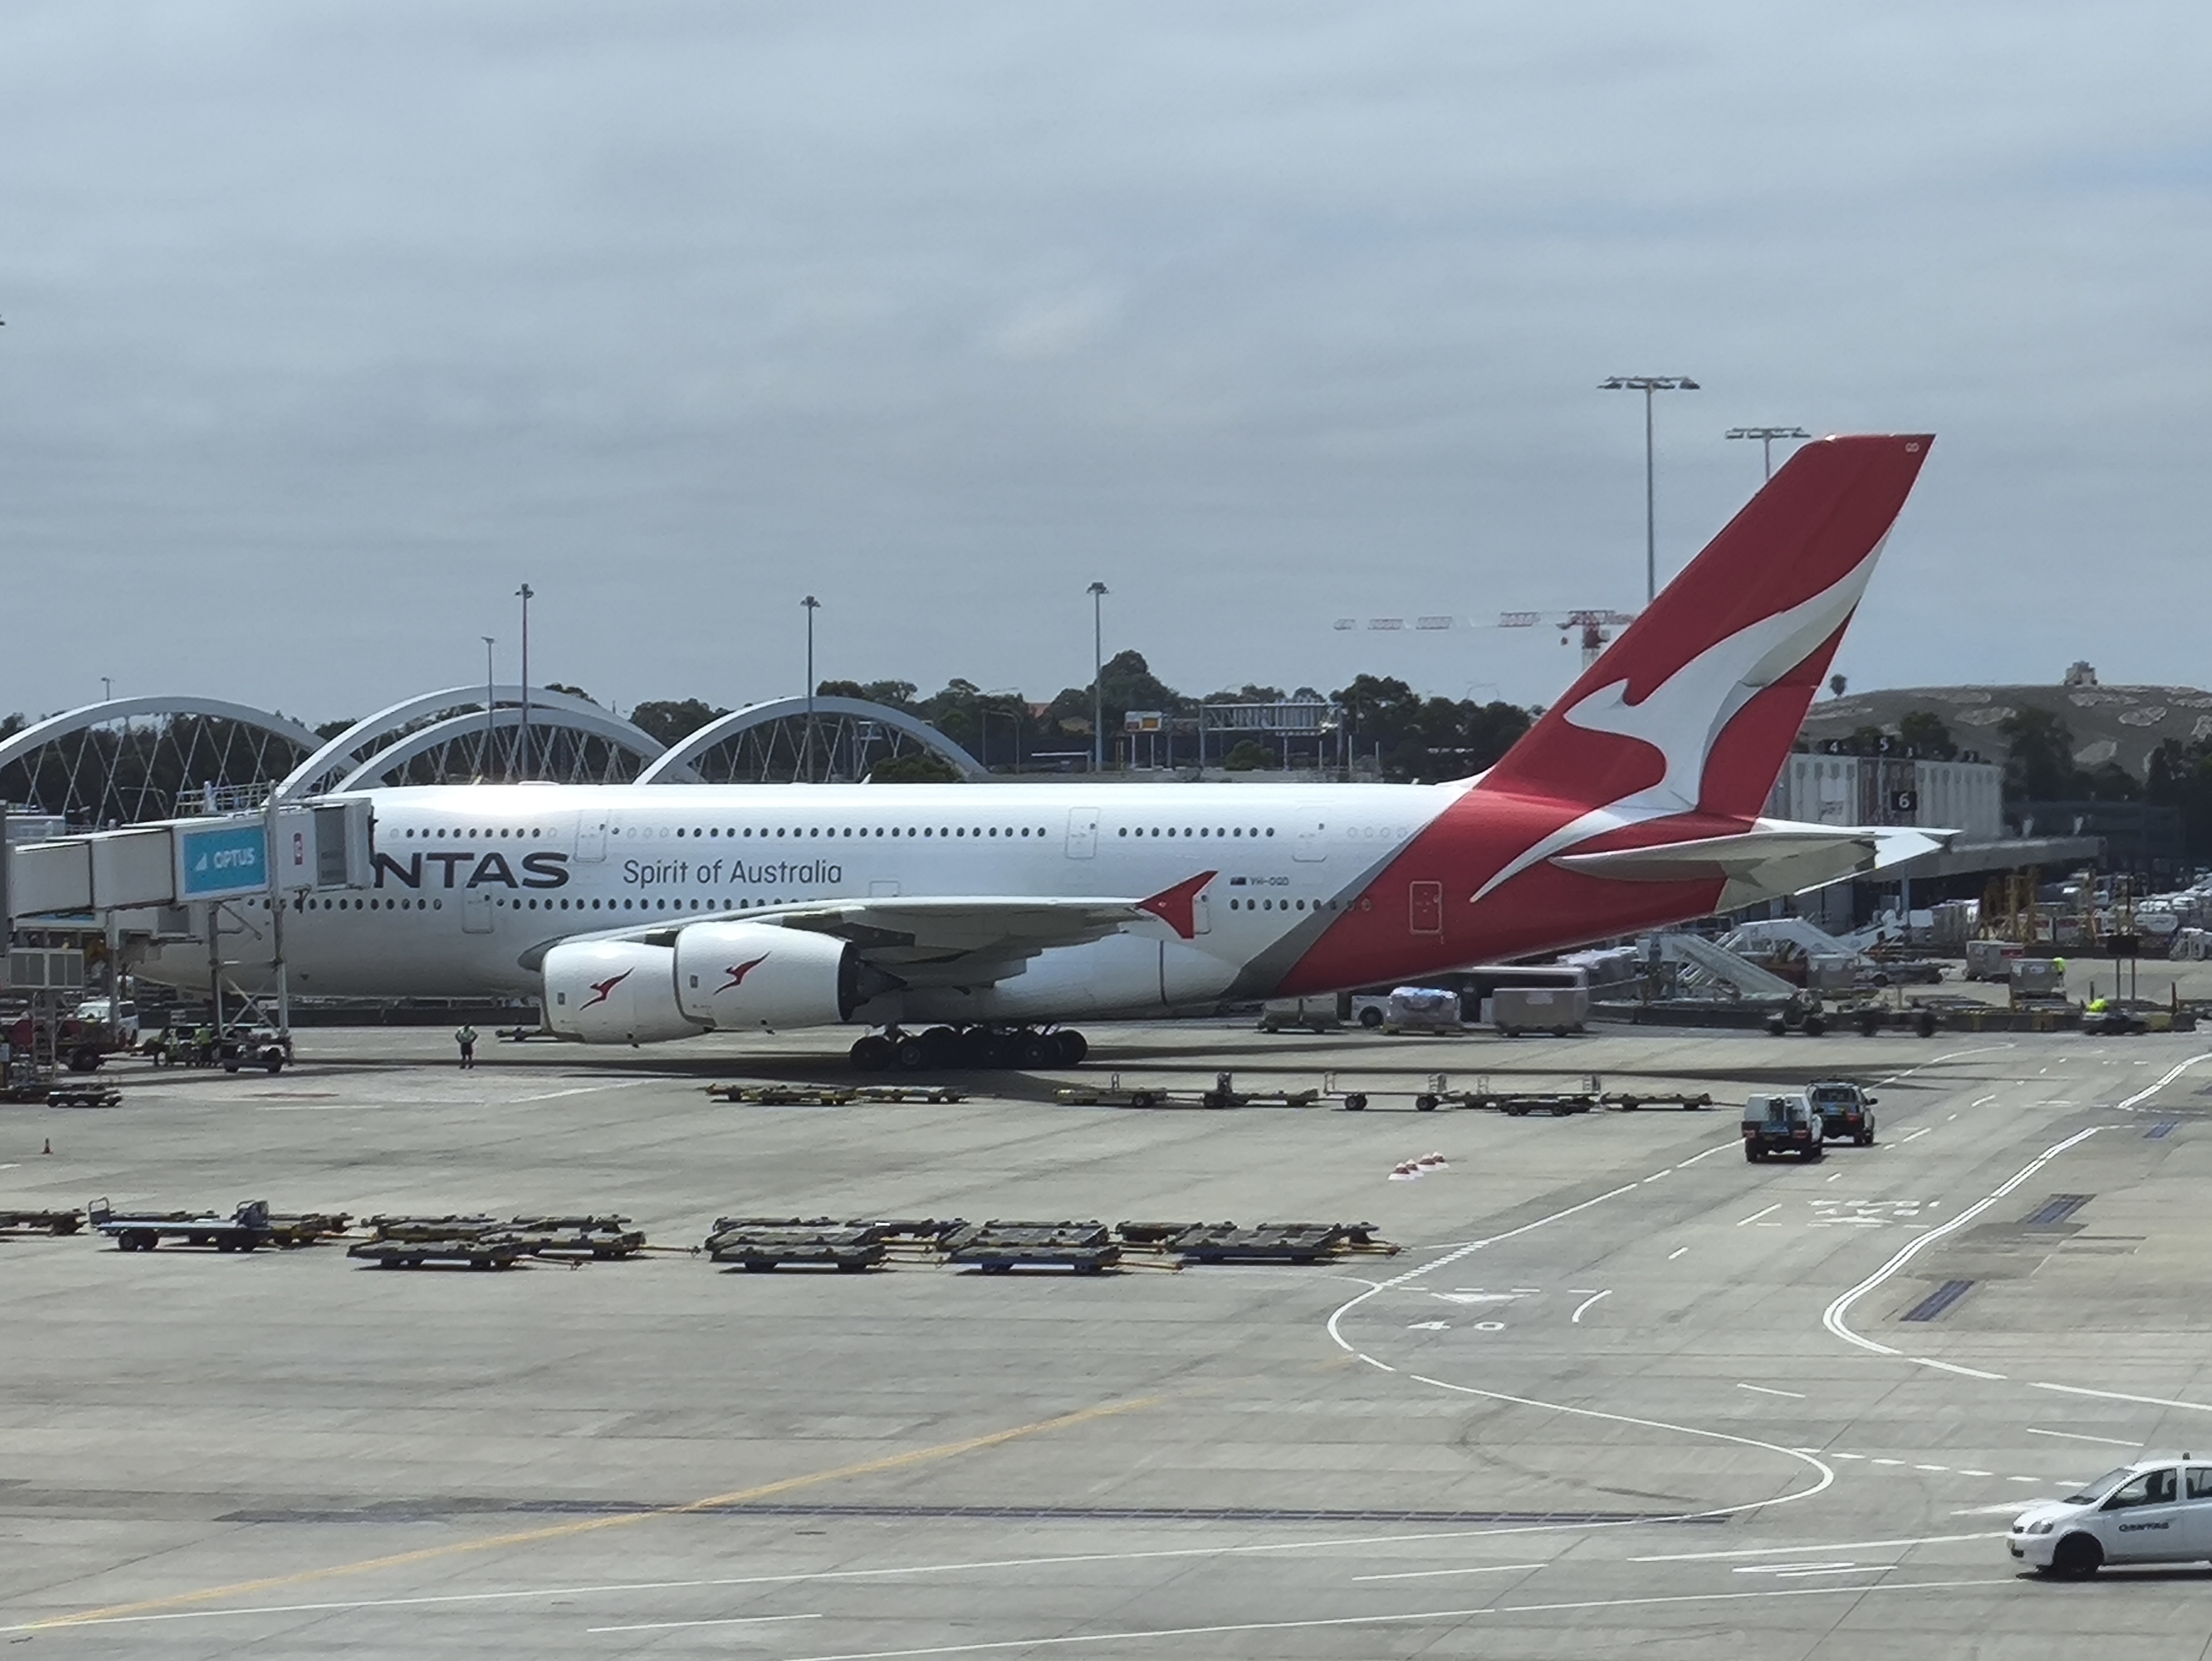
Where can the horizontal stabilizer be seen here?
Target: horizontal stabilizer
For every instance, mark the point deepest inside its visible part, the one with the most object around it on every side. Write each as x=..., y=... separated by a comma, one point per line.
x=1774, y=858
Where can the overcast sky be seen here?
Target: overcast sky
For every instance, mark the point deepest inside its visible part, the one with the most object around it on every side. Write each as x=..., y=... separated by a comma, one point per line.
x=328, y=322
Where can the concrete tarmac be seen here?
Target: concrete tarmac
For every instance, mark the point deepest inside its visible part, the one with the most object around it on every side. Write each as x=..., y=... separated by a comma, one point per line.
x=1621, y=1392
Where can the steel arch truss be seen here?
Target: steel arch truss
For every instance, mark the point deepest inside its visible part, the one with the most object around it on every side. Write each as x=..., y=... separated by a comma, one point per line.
x=450, y=737
x=773, y=742
x=129, y=760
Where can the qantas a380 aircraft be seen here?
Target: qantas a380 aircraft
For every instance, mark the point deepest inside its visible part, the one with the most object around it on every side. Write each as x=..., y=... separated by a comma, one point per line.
x=642, y=914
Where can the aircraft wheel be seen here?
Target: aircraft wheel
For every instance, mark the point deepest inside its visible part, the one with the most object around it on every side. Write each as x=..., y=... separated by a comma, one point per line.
x=871, y=1054
x=911, y=1055
x=1371, y=1018
x=1032, y=1050
x=1071, y=1046
x=941, y=1044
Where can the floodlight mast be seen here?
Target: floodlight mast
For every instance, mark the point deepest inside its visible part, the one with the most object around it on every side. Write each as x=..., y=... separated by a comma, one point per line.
x=1647, y=385
x=1766, y=435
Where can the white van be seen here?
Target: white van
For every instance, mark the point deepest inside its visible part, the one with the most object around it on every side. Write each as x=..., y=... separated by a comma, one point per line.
x=2156, y=1510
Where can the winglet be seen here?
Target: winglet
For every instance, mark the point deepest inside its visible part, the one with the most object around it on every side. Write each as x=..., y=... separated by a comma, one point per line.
x=1174, y=906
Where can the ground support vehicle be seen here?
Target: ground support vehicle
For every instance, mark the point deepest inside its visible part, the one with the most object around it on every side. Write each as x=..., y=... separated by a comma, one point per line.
x=1281, y=1243
x=1430, y=1009
x=996, y=1247
x=1313, y=1015
x=1516, y=1011
x=408, y=1242
x=1629, y=1101
x=31, y=1086
x=2154, y=1510
x=1785, y=1123
x=41, y=1222
x=1847, y=1111
x=496, y=1252
x=1224, y=1094
x=1804, y=1013
x=246, y=1229
x=1918, y=1019
x=809, y=1095
x=762, y=1244
x=1513, y=1104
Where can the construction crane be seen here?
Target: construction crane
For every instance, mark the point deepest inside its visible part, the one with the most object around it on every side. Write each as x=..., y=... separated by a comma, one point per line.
x=1594, y=628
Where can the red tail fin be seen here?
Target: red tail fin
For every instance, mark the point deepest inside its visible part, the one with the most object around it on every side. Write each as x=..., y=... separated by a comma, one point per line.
x=1695, y=707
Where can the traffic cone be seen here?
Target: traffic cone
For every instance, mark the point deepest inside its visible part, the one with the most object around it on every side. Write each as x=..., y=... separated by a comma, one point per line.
x=49, y=1148
x=1429, y=1161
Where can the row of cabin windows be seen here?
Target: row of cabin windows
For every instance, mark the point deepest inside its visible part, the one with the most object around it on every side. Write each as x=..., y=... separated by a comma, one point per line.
x=410, y=903
x=764, y=834
x=816, y=831
x=533, y=904
x=1217, y=830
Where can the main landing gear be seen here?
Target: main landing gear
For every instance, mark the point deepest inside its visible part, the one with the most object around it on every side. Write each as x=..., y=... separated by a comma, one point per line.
x=944, y=1047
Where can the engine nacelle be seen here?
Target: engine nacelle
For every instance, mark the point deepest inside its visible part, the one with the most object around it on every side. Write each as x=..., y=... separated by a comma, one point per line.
x=747, y=976
x=614, y=992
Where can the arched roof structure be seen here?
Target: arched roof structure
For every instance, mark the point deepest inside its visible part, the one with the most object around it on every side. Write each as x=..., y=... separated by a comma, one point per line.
x=402, y=732
x=846, y=730
x=472, y=727
x=167, y=748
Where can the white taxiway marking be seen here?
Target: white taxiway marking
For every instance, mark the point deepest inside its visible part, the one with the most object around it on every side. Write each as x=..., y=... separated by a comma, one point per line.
x=585, y=1090
x=2171, y=1073
x=1952, y=1367
x=724, y=1620
x=1431, y=1574
x=1575, y=1318
x=1676, y=1252
x=1832, y=1317
x=1834, y=1174
x=1980, y=1101
x=1804, y=1568
x=2075, y=1436
x=1827, y=1545
x=1922, y=1131
x=1793, y=1395
x=1756, y=1215
x=1409, y=1619
x=2121, y=1396
x=1722, y=1148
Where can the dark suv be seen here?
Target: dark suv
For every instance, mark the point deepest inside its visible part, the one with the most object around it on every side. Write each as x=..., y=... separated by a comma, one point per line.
x=1847, y=1111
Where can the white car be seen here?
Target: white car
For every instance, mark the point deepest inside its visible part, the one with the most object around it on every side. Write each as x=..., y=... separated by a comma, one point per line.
x=2156, y=1511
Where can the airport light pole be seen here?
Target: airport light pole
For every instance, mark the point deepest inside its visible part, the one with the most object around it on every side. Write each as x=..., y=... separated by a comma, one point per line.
x=526, y=593
x=1766, y=435
x=1097, y=592
x=1647, y=385
x=806, y=765
x=489, y=724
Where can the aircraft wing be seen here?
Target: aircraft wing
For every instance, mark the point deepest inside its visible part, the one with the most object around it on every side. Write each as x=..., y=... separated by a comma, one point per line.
x=949, y=941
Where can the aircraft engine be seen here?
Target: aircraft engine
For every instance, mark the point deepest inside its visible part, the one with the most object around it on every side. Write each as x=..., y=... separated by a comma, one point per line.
x=614, y=992
x=751, y=976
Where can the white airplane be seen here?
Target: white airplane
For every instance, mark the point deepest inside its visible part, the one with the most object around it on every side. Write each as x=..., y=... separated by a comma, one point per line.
x=980, y=920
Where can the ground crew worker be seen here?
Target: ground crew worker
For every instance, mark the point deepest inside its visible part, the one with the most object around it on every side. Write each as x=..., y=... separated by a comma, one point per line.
x=465, y=1037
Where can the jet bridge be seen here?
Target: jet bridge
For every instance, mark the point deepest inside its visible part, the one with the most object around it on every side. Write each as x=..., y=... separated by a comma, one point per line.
x=172, y=879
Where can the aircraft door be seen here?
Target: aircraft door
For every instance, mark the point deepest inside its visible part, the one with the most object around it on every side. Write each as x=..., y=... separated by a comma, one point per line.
x=476, y=914
x=1425, y=907
x=1082, y=832
x=591, y=837
x=1312, y=844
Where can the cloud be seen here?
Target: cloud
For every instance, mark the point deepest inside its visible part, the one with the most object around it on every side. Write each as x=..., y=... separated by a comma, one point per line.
x=346, y=319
